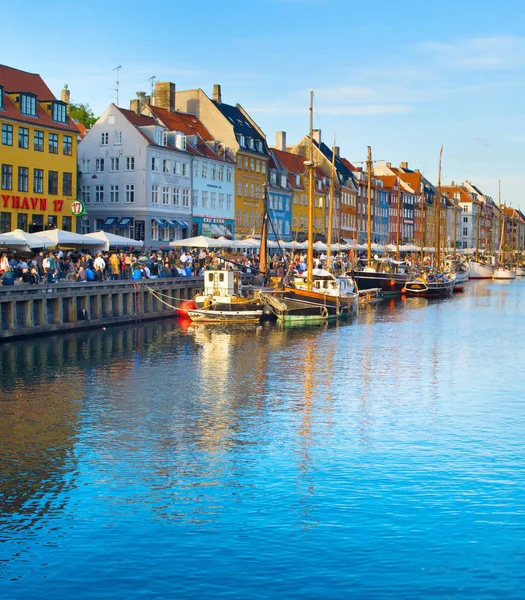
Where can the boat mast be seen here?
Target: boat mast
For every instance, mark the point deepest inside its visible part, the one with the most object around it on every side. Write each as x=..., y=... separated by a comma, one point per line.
x=422, y=223
x=330, y=214
x=477, y=232
x=263, y=251
x=310, y=166
x=398, y=224
x=455, y=226
x=438, y=237
x=369, y=193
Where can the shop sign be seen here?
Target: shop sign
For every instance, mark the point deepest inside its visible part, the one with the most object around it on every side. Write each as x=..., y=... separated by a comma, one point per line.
x=25, y=203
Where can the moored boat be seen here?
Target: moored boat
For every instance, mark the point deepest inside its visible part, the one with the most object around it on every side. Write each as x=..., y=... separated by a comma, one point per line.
x=504, y=273
x=430, y=284
x=480, y=270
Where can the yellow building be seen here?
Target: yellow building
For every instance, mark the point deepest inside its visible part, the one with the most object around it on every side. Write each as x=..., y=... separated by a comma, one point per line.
x=38, y=155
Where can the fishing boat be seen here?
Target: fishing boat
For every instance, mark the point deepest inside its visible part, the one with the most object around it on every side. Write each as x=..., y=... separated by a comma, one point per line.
x=223, y=300
x=459, y=267
x=432, y=281
x=315, y=298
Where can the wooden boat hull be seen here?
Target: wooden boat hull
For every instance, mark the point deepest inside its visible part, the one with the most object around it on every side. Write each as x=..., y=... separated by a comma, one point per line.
x=500, y=273
x=227, y=316
x=388, y=283
x=479, y=270
x=296, y=305
x=429, y=289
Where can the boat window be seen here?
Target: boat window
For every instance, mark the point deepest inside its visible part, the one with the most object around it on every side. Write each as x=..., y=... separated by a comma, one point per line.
x=210, y=277
x=221, y=276
x=326, y=284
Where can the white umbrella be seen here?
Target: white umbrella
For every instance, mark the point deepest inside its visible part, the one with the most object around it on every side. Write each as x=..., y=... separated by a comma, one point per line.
x=201, y=241
x=59, y=237
x=391, y=248
x=27, y=240
x=377, y=248
x=111, y=240
x=320, y=247
x=247, y=243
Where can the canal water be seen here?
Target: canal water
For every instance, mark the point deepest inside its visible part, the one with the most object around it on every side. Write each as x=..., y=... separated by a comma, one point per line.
x=382, y=458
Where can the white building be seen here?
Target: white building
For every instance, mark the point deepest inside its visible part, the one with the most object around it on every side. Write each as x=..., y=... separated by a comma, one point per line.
x=135, y=178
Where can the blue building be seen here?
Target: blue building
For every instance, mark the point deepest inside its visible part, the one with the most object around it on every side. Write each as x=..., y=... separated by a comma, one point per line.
x=279, y=201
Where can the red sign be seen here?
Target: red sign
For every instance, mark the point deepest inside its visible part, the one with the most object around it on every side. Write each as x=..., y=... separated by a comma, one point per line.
x=31, y=203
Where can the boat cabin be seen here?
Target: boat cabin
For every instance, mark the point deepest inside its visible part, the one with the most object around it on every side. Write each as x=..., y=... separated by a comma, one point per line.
x=222, y=283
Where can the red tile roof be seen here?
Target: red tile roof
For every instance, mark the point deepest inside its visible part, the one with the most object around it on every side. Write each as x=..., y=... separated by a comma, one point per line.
x=14, y=80
x=135, y=119
x=82, y=130
x=294, y=163
x=184, y=122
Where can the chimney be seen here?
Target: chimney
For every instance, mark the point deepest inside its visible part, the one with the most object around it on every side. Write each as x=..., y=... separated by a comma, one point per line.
x=452, y=183
x=337, y=151
x=280, y=140
x=389, y=165
x=165, y=95
x=416, y=170
x=316, y=134
x=217, y=95
x=404, y=165
x=65, y=96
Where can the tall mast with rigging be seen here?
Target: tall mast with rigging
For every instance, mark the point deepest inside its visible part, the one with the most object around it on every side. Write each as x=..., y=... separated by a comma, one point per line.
x=310, y=166
x=422, y=223
x=398, y=223
x=438, y=235
x=330, y=213
x=369, y=197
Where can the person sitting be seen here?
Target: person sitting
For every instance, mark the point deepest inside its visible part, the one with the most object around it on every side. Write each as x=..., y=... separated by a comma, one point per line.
x=90, y=276
x=137, y=273
x=26, y=276
x=8, y=277
x=99, y=273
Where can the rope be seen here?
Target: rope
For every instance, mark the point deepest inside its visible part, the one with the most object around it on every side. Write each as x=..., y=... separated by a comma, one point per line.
x=157, y=296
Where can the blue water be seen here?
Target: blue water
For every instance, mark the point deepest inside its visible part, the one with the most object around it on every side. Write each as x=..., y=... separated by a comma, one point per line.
x=383, y=458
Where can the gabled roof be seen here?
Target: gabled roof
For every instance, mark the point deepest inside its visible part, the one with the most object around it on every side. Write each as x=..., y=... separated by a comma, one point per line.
x=342, y=166
x=135, y=119
x=13, y=81
x=294, y=163
x=184, y=122
x=242, y=125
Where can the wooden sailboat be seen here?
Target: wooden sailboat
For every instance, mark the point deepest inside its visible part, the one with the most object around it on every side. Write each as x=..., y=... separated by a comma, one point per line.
x=321, y=296
x=384, y=274
x=503, y=270
x=432, y=281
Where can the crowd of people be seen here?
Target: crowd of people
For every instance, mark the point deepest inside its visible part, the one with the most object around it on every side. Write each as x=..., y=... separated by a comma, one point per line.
x=53, y=267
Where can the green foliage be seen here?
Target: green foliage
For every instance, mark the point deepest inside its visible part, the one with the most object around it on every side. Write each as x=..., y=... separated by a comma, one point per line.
x=83, y=113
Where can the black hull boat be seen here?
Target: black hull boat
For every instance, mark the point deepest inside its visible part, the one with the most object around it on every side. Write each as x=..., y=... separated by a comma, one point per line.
x=388, y=283
x=430, y=286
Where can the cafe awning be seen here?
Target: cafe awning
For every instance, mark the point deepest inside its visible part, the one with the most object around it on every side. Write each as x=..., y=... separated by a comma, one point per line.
x=125, y=222
x=160, y=222
x=109, y=222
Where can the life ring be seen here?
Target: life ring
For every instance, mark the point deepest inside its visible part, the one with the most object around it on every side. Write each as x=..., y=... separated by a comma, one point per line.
x=324, y=312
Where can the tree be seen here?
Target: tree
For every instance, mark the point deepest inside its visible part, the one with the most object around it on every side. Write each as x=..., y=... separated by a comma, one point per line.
x=83, y=114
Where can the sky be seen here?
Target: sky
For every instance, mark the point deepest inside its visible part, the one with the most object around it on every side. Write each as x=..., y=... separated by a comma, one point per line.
x=404, y=79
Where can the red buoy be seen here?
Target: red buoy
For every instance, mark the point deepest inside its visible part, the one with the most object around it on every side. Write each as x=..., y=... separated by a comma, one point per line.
x=185, y=306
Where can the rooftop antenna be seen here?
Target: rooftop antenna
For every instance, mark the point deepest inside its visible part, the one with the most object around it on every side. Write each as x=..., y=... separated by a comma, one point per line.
x=152, y=79
x=117, y=69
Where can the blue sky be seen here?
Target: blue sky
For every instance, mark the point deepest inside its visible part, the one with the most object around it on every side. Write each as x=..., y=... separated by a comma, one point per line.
x=404, y=79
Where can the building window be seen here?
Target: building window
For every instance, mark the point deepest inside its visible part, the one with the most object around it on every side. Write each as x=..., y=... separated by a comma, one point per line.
x=7, y=134
x=465, y=219
x=154, y=194
x=38, y=181
x=239, y=188
x=28, y=105
x=67, y=223
x=104, y=138
x=257, y=166
x=117, y=137
x=38, y=140
x=130, y=163
x=154, y=231
x=23, y=137
x=185, y=169
x=23, y=179
x=221, y=201
x=130, y=193
x=5, y=218
x=242, y=141
x=67, y=145
x=263, y=167
x=204, y=199
x=59, y=112
x=165, y=195
x=86, y=194
x=53, y=143
x=204, y=169
x=155, y=165
x=113, y=194
x=213, y=200
x=195, y=195
x=246, y=190
x=213, y=171
x=52, y=182
x=195, y=168
x=165, y=166
x=114, y=164
x=99, y=194
x=465, y=231
x=239, y=161
x=252, y=164
x=186, y=197
x=245, y=218
x=21, y=221
x=228, y=201
x=252, y=191
x=99, y=165
x=229, y=175
x=238, y=219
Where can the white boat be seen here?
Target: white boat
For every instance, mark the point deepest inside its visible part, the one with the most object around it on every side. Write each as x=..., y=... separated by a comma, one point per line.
x=479, y=270
x=520, y=272
x=504, y=273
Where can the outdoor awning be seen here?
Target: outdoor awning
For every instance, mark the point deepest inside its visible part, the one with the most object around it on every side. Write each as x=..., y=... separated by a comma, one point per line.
x=216, y=229
x=160, y=222
x=184, y=224
x=109, y=222
x=172, y=223
x=227, y=232
x=125, y=222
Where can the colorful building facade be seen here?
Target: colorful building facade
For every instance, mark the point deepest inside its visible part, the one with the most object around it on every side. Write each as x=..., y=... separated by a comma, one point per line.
x=38, y=155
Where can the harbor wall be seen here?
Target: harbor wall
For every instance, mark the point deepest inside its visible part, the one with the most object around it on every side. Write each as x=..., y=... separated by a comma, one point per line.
x=27, y=310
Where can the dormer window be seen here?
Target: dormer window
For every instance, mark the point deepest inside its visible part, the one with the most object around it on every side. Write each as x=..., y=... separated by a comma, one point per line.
x=242, y=141
x=59, y=112
x=250, y=143
x=28, y=105
x=259, y=146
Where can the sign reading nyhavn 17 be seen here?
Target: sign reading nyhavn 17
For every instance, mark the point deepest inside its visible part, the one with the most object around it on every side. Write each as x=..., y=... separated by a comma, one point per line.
x=25, y=203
